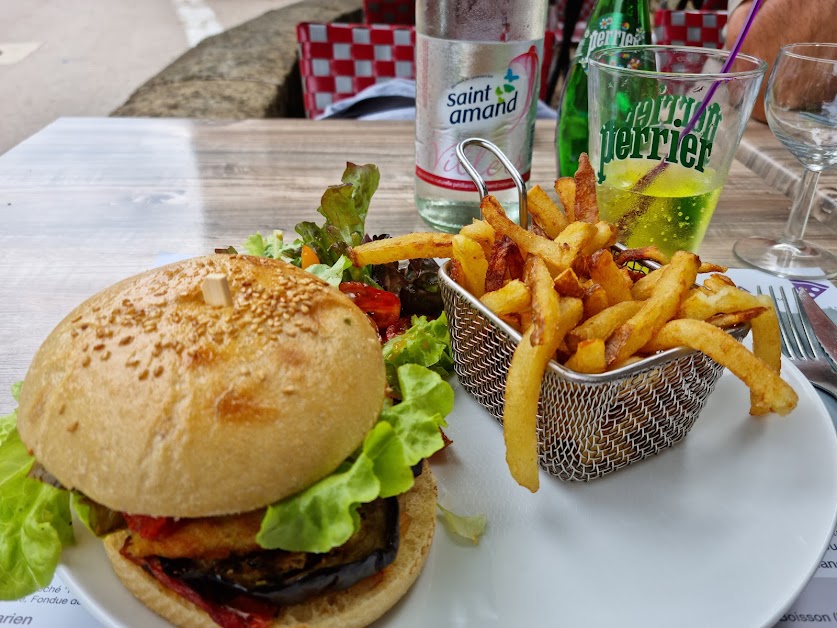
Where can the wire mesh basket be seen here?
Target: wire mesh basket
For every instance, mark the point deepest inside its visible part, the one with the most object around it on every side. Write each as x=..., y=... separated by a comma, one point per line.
x=588, y=425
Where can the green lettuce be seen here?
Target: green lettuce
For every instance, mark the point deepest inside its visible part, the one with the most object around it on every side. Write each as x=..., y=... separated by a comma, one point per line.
x=470, y=528
x=344, y=206
x=274, y=246
x=331, y=274
x=426, y=342
x=34, y=518
x=324, y=515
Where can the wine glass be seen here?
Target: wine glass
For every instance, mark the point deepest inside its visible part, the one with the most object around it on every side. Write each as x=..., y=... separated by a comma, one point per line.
x=801, y=107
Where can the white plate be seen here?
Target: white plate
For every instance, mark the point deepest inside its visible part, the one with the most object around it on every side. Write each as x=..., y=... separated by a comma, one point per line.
x=724, y=529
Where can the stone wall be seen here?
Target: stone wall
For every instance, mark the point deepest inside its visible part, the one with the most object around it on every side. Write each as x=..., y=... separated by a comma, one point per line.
x=249, y=71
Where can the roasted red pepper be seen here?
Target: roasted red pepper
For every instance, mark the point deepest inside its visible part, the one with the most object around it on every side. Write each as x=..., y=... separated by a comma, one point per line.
x=151, y=528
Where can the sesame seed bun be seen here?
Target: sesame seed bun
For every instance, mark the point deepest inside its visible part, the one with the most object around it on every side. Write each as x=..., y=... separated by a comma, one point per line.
x=359, y=605
x=150, y=401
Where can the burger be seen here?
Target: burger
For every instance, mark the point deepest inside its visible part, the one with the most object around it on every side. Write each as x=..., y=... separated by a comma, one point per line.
x=241, y=460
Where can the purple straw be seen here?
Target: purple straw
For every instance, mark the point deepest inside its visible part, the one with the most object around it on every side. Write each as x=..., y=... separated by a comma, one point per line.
x=736, y=47
x=652, y=174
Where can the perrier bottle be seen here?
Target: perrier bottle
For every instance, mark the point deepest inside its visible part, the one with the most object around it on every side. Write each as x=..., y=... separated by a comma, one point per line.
x=612, y=23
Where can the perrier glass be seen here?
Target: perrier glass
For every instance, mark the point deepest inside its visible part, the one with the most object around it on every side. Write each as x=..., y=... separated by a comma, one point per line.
x=612, y=23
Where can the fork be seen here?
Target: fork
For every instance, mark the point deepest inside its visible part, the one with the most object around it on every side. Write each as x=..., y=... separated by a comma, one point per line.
x=800, y=345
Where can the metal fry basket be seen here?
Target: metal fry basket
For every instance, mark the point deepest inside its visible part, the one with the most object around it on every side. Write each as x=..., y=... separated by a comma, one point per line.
x=588, y=425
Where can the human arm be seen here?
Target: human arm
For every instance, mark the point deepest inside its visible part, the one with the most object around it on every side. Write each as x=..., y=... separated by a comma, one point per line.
x=777, y=23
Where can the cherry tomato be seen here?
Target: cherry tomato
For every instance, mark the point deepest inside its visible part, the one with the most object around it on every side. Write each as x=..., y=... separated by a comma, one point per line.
x=384, y=308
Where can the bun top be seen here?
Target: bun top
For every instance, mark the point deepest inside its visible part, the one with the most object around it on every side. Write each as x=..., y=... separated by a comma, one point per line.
x=150, y=401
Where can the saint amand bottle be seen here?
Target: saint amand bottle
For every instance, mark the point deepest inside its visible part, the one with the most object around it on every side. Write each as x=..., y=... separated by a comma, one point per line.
x=477, y=75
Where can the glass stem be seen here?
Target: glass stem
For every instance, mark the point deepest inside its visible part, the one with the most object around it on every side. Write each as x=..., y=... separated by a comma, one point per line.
x=801, y=209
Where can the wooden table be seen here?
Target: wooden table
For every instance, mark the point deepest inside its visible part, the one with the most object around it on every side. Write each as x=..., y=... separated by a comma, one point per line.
x=765, y=155
x=86, y=202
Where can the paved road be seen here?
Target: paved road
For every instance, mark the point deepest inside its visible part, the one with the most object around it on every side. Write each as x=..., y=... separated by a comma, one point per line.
x=85, y=57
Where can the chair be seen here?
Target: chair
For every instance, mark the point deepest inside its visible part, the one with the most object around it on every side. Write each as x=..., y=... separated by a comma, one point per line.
x=337, y=61
x=389, y=12
x=689, y=28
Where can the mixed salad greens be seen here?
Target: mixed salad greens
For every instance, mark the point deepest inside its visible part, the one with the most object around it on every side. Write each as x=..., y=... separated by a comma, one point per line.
x=405, y=305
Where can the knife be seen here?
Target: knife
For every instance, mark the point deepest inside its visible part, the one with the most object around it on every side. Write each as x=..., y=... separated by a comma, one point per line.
x=824, y=328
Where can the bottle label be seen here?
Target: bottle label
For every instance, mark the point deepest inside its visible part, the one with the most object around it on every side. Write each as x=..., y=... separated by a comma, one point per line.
x=475, y=89
x=609, y=31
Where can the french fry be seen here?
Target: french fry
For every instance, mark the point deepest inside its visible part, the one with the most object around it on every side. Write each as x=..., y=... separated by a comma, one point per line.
x=410, y=246
x=552, y=318
x=642, y=254
x=768, y=389
x=567, y=284
x=513, y=298
x=573, y=240
x=473, y=263
x=504, y=262
x=594, y=299
x=513, y=320
x=557, y=256
x=604, y=238
x=660, y=307
x=589, y=357
x=766, y=346
x=701, y=305
x=716, y=282
x=643, y=288
x=708, y=267
x=456, y=272
x=565, y=188
x=603, y=324
x=608, y=275
x=548, y=215
x=725, y=321
x=586, y=205
x=482, y=232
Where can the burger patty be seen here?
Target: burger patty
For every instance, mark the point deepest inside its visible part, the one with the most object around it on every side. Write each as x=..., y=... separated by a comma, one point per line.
x=280, y=577
x=203, y=538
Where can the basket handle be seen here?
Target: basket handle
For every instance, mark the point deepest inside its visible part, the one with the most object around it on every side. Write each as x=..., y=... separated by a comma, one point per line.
x=480, y=183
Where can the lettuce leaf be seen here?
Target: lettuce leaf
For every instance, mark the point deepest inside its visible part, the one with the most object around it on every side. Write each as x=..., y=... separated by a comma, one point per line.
x=324, y=515
x=332, y=274
x=344, y=207
x=34, y=518
x=470, y=528
x=274, y=246
x=426, y=342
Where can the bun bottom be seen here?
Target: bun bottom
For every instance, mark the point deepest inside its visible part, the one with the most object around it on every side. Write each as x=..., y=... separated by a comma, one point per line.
x=359, y=605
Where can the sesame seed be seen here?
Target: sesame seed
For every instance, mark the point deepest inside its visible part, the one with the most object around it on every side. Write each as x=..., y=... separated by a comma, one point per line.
x=86, y=361
x=143, y=375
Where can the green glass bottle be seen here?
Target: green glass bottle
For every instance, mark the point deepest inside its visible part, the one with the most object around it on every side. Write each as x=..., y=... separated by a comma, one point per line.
x=612, y=23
